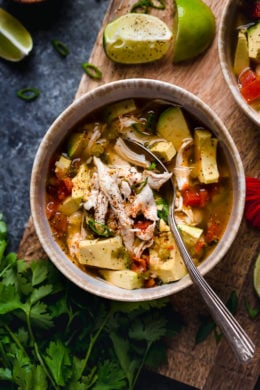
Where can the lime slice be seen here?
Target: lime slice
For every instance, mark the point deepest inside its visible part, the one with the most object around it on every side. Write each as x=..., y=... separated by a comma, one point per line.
x=256, y=275
x=15, y=40
x=136, y=38
x=194, y=29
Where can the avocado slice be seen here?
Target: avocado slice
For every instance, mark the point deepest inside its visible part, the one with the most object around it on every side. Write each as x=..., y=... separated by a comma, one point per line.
x=253, y=34
x=241, y=59
x=172, y=126
x=114, y=110
x=126, y=278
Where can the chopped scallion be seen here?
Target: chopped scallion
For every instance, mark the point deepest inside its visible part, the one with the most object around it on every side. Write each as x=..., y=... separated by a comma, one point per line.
x=92, y=71
x=28, y=93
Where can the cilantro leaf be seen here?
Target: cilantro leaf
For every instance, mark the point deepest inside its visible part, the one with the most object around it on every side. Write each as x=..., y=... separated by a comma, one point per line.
x=110, y=377
x=58, y=361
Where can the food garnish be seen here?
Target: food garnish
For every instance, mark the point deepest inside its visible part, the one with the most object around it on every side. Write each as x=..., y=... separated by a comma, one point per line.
x=136, y=38
x=194, y=28
x=28, y=93
x=60, y=47
x=15, y=40
x=92, y=71
x=55, y=335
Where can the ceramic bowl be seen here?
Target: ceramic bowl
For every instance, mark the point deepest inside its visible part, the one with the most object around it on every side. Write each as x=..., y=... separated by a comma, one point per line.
x=226, y=48
x=138, y=88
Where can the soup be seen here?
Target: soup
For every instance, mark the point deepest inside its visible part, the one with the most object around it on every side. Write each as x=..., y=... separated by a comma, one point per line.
x=107, y=205
x=247, y=52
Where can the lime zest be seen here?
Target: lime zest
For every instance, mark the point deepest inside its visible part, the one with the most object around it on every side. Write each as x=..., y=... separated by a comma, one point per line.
x=28, y=93
x=92, y=71
x=60, y=47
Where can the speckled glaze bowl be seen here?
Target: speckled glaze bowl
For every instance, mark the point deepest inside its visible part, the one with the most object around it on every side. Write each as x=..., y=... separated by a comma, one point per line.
x=138, y=88
x=226, y=49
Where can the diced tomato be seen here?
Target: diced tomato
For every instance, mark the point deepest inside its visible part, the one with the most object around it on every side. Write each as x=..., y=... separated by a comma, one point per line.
x=251, y=91
x=256, y=10
x=149, y=283
x=213, y=232
x=199, y=247
x=139, y=265
x=142, y=224
x=195, y=198
x=246, y=77
x=68, y=184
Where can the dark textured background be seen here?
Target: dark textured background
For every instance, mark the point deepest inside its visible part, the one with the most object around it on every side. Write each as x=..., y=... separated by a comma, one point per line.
x=23, y=124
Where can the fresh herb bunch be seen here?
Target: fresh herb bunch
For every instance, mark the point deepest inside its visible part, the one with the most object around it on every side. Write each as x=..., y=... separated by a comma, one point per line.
x=54, y=335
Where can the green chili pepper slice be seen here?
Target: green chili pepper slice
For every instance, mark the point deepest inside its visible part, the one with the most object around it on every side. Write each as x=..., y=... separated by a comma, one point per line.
x=137, y=188
x=158, y=4
x=28, y=93
x=60, y=47
x=141, y=6
x=99, y=228
x=92, y=71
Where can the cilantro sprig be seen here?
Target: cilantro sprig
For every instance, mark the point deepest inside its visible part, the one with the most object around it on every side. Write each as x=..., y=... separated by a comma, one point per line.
x=54, y=335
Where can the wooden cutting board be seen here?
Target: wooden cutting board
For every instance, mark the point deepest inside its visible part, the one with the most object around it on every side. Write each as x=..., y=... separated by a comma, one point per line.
x=208, y=365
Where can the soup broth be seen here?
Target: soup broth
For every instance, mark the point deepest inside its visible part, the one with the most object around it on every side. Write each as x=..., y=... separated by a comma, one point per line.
x=107, y=205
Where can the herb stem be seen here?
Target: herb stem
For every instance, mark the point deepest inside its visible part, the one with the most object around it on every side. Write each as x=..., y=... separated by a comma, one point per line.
x=15, y=339
x=36, y=348
x=93, y=339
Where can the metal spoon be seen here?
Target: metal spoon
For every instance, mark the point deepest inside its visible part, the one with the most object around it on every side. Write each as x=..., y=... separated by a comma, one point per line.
x=239, y=341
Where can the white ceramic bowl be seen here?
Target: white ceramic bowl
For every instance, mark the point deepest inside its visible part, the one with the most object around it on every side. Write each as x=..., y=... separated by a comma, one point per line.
x=138, y=88
x=226, y=49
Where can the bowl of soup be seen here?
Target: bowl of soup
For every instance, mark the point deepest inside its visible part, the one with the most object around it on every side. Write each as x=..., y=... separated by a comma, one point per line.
x=239, y=54
x=100, y=206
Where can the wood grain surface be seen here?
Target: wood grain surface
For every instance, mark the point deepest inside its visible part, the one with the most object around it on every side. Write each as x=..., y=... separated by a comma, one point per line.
x=207, y=365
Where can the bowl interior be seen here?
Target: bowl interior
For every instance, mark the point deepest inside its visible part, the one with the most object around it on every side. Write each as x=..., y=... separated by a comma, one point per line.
x=138, y=88
x=226, y=49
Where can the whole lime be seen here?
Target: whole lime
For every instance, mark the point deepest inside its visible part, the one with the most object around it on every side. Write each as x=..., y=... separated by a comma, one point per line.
x=194, y=28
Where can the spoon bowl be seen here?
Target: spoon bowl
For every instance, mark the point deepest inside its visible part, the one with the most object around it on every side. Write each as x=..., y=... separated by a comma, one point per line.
x=239, y=341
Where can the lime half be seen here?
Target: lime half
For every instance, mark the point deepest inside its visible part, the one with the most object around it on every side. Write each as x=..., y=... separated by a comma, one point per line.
x=256, y=276
x=15, y=40
x=136, y=38
x=194, y=29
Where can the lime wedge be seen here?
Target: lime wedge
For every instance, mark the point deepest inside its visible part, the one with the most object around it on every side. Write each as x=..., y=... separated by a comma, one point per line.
x=136, y=38
x=256, y=275
x=15, y=40
x=194, y=29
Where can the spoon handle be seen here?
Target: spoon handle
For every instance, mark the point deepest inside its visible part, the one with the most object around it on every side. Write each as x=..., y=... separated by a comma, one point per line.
x=241, y=344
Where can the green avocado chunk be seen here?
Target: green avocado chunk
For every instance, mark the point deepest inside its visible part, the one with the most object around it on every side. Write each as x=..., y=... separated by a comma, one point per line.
x=241, y=59
x=253, y=34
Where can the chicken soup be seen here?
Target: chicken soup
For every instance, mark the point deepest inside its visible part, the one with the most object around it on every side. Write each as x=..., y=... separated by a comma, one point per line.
x=107, y=205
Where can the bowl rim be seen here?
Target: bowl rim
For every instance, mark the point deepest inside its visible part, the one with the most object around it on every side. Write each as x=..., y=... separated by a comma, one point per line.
x=52, y=249
x=224, y=31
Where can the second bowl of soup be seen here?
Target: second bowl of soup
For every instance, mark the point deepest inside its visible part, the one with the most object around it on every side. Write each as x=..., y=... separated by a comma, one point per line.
x=239, y=53
x=100, y=208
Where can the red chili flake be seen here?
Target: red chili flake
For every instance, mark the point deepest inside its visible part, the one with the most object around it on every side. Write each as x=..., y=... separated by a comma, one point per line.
x=252, y=205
